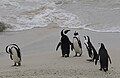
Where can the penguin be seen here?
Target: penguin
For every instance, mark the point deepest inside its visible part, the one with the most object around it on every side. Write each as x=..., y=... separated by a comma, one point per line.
x=104, y=57
x=90, y=48
x=64, y=43
x=77, y=46
x=14, y=51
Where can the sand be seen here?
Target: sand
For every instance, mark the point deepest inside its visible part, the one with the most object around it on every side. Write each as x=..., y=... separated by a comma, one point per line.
x=40, y=60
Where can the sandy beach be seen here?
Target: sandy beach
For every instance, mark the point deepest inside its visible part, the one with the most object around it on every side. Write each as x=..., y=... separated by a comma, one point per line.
x=40, y=60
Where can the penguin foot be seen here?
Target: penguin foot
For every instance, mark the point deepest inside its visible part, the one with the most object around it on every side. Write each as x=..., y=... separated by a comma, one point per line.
x=100, y=69
x=67, y=56
x=105, y=69
x=75, y=56
x=80, y=55
x=19, y=64
x=14, y=64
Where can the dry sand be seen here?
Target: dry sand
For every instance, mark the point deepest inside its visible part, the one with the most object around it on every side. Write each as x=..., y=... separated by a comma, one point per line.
x=40, y=60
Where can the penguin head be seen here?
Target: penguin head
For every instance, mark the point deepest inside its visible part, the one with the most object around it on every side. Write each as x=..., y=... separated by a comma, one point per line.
x=85, y=37
x=66, y=31
x=8, y=49
x=76, y=33
x=101, y=45
x=88, y=38
x=62, y=32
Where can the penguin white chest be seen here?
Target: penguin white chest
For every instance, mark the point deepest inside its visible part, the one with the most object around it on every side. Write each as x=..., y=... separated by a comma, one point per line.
x=15, y=55
x=76, y=45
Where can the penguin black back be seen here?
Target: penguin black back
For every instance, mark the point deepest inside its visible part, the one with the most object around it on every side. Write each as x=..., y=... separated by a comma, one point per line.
x=64, y=43
x=103, y=54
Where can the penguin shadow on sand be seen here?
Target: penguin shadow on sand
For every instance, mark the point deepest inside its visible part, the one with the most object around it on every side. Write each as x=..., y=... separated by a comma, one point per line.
x=103, y=58
x=14, y=51
x=77, y=46
x=92, y=53
x=65, y=43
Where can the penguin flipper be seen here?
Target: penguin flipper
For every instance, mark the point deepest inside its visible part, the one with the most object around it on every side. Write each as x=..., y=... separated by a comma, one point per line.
x=96, y=62
x=11, y=57
x=19, y=54
x=110, y=59
x=72, y=47
x=97, y=58
x=79, y=42
x=58, y=46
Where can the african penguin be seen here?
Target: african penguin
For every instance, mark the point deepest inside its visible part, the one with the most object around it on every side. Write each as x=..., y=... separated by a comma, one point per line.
x=90, y=48
x=64, y=43
x=14, y=51
x=77, y=46
x=87, y=44
x=104, y=57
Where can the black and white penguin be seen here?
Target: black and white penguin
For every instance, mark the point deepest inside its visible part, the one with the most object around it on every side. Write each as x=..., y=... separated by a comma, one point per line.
x=77, y=46
x=64, y=43
x=104, y=57
x=90, y=48
x=15, y=54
